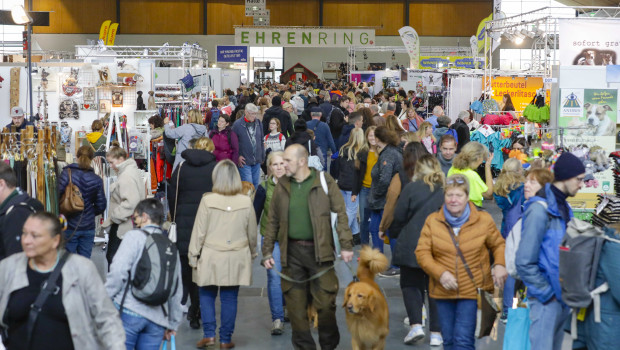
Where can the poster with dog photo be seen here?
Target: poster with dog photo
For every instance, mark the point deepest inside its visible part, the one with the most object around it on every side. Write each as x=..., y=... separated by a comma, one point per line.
x=590, y=116
x=589, y=42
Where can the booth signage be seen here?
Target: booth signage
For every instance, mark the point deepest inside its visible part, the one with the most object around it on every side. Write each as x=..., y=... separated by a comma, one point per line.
x=302, y=37
x=589, y=42
x=591, y=116
x=521, y=89
x=254, y=6
x=457, y=62
x=411, y=40
x=481, y=32
x=232, y=54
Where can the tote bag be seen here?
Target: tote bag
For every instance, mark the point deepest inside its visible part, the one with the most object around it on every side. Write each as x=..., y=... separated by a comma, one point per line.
x=517, y=334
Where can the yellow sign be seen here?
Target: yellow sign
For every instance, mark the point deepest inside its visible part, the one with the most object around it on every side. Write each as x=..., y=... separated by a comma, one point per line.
x=521, y=90
x=112, y=34
x=103, y=32
x=481, y=33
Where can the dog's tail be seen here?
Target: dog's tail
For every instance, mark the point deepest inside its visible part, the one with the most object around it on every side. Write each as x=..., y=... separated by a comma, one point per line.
x=372, y=261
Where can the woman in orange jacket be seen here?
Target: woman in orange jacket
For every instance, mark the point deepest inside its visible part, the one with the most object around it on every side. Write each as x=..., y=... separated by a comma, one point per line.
x=460, y=223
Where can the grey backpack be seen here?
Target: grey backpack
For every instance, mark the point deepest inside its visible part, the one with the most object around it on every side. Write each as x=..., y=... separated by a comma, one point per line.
x=156, y=272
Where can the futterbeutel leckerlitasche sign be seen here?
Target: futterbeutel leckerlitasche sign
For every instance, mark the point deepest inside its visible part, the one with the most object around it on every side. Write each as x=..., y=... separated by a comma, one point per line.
x=304, y=37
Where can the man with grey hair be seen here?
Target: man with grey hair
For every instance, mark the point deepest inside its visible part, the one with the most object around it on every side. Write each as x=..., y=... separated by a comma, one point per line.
x=376, y=116
x=437, y=112
x=249, y=131
x=390, y=110
x=462, y=129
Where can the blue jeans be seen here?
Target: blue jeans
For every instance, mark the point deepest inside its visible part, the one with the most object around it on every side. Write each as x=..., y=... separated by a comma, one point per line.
x=274, y=288
x=81, y=243
x=140, y=333
x=375, y=222
x=458, y=323
x=250, y=173
x=547, y=327
x=228, y=313
x=509, y=292
x=362, y=199
x=351, y=211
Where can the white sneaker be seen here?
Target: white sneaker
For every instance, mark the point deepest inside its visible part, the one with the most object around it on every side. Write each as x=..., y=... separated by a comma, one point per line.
x=406, y=321
x=277, y=327
x=415, y=334
x=436, y=339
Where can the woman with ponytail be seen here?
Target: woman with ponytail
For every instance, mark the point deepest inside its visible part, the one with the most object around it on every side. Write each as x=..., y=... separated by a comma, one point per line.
x=421, y=197
x=81, y=225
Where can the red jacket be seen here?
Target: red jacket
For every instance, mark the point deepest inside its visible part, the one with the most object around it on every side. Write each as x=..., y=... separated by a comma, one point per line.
x=225, y=149
x=405, y=122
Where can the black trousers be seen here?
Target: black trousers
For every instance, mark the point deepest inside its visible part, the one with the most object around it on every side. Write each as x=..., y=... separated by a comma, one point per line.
x=113, y=243
x=189, y=287
x=413, y=283
x=301, y=264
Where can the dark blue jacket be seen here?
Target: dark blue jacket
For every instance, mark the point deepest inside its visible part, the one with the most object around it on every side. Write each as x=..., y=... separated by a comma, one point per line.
x=323, y=137
x=344, y=135
x=13, y=215
x=252, y=155
x=512, y=208
x=21, y=127
x=91, y=187
x=538, y=256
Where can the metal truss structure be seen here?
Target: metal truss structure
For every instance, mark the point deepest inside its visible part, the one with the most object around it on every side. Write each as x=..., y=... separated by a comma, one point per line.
x=542, y=26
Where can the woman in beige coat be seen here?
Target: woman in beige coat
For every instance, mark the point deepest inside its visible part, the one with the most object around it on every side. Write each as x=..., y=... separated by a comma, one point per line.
x=128, y=190
x=221, y=250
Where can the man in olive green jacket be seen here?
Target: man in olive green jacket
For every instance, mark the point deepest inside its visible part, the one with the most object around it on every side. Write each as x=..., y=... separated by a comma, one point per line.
x=299, y=219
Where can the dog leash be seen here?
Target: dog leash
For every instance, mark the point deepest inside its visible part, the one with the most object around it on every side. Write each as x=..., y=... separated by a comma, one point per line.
x=316, y=275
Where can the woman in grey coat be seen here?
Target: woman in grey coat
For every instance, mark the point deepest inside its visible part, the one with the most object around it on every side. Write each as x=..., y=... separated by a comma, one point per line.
x=185, y=133
x=79, y=315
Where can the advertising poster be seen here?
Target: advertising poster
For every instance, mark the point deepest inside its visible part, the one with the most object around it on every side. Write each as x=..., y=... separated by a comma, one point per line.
x=455, y=62
x=588, y=42
x=591, y=115
x=411, y=40
x=234, y=54
x=363, y=77
x=521, y=89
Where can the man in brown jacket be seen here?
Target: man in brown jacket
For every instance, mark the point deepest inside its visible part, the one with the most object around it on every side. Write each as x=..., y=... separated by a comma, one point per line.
x=299, y=219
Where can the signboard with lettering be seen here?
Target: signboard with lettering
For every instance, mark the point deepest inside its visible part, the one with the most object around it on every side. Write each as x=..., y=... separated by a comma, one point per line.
x=232, y=54
x=253, y=6
x=304, y=37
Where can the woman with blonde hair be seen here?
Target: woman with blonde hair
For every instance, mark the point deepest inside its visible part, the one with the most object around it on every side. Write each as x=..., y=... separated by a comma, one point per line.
x=184, y=133
x=419, y=199
x=472, y=155
x=425, y=134
x=349, y=166
x=412, y=120
x=221, y=249
x=455, y=278
x=286, y=97
x=367, y=161
x=408, y=137
x=189, y=182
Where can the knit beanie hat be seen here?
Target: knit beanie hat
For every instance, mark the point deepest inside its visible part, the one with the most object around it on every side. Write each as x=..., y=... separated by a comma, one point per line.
x=568, y=166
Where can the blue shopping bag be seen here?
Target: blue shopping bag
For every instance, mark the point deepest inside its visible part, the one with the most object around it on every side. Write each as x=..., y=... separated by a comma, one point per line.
x=517, y=335
x=172, y=344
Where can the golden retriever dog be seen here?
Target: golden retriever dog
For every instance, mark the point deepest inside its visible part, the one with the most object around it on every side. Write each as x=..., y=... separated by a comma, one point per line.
x=365, y=306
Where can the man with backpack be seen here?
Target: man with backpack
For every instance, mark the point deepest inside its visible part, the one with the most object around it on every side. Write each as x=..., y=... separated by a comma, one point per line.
x=15, y=207
x=145, y=280
x=537, y=260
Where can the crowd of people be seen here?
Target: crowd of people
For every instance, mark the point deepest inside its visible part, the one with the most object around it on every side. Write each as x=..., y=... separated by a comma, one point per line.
x=280, y=160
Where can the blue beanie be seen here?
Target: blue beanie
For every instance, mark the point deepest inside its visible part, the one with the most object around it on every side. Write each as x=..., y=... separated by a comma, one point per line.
x=568, y=166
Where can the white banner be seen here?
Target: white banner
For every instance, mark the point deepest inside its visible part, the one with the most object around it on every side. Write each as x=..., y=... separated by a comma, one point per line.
x=302, y=37
x=411, y=40
x=587, y=42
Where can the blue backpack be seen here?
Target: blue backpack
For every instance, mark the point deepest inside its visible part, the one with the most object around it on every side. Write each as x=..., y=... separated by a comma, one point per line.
x=215, y=115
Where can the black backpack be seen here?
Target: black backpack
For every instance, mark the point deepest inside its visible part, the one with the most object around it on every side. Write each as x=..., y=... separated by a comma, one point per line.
x=156, y=273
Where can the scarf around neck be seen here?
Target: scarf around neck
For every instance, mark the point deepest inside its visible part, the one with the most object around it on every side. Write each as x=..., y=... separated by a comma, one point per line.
x=457, y=221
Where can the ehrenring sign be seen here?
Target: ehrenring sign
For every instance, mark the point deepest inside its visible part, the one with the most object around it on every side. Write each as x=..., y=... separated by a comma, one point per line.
x=302, y=37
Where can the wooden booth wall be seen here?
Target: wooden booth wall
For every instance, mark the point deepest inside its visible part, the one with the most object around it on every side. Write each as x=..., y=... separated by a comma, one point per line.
x=428, y=17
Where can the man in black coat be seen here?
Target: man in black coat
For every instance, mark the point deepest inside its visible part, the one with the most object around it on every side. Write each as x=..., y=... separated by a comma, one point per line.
x=462, y=130
x=312, y=102
x=276, y=111
x=15, y=207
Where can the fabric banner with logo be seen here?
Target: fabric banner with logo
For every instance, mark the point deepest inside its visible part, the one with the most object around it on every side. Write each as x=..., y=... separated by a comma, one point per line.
x=590, y=116
x=411, y=40
x=588, y=42
x=304, y=37
x=481, y=33
x=521, y=89
x=232, y=54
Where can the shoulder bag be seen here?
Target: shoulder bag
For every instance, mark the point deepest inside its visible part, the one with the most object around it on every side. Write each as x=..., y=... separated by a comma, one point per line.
x=172, y=231
x=71, y=201
x=487, y=309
